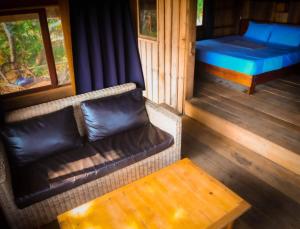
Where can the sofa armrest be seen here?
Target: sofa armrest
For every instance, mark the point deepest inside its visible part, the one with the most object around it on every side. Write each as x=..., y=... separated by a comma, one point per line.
x=166, y=120
x=3, y=164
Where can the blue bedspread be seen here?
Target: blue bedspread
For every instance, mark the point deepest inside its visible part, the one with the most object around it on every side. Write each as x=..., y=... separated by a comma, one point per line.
x=244, y=55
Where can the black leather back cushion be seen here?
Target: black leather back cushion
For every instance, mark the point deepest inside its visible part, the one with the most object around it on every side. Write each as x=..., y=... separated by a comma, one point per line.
x=111, y=115
x=29, y=140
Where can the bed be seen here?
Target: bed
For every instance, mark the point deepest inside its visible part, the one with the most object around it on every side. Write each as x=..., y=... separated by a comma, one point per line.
x=262, y=52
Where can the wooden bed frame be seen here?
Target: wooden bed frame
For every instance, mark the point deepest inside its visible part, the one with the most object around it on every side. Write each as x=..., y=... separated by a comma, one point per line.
x=249, y=81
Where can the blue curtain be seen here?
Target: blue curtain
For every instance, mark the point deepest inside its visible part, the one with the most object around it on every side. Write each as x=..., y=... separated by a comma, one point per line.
x=104, y=45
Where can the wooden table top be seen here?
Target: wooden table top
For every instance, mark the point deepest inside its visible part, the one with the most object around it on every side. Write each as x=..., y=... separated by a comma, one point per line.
x=181, y=195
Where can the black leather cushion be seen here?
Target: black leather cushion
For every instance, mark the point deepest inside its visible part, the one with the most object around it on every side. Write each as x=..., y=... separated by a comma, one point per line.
x=32, y=139
x=61, y=172
x=111, y=115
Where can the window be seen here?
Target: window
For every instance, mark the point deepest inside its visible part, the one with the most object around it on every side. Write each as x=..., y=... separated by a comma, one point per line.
x=199, y=12
x=148, y=18
x=58, y=45
x=32, y=52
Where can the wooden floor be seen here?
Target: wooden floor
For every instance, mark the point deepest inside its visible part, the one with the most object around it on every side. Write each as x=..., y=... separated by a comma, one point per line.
x=231, y=164
x=272, y=112
x=267, y=122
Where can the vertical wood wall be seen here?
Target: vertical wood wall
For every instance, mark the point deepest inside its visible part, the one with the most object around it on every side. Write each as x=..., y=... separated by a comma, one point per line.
x=224, y=15
x=275, y=11
x=224, y=18
x=164, y=60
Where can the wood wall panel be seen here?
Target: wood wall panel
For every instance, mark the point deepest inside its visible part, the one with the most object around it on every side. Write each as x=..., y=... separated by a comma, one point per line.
x=268, y=11
x=168, y=49
x=181, y=56
x=155, y=73
x=174, y=52
x=148, y=50
x=149, y=69
x=226, y=14
x=190, y=50
x=221, y=18
x=164, y=60
x=161, y=51
x=294, y=12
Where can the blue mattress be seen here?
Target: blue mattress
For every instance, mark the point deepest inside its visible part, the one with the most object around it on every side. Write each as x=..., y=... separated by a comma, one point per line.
x=244, y=55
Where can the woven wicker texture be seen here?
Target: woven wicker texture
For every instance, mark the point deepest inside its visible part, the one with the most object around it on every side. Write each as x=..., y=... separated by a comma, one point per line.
x=46, y=211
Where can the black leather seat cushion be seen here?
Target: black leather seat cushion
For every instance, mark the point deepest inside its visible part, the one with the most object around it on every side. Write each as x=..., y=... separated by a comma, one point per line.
x=64, y=171
x=114, y=114
x=29, y=140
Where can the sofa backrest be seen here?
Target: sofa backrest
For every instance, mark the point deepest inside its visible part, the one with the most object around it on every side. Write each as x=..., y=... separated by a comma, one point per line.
x=44, y=108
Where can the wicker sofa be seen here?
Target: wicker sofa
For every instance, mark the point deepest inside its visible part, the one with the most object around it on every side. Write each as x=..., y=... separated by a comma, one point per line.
x=45, y=211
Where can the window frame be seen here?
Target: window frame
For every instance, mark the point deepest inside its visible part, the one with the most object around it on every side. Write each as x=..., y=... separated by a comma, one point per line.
x=42, y=16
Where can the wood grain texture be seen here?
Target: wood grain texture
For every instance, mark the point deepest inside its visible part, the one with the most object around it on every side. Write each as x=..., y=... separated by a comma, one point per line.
x=175, y=51
x=190, y=50
x=181, y=195
x=155, y=73
x=168, y=49
x=270, y=208
x=274, y=175
x=267, y=11
x=149, y=69
x=225, y=15
x=249, y=81
x=161, y=50
x=267, y=123
x=37, y=98
x=265, y=147
x=181, y=56
x=170, y=73
x=228, y=74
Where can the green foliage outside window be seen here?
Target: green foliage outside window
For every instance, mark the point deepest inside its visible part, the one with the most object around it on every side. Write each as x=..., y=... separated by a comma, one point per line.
x=23, y=63
x=199, y=12
x=59, y=52
x=21, y=42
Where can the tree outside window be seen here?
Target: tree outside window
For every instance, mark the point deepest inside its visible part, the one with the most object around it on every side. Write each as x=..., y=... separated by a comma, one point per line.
x=32, y=52
x=199, y=21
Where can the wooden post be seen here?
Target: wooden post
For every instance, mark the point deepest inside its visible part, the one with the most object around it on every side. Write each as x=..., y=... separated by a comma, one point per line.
x=161, y=50
x=65, y=19
x=190, y=48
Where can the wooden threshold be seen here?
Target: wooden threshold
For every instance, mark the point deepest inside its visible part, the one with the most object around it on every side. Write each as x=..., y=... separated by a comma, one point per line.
x=273, y=174
x=232, y=127
x=246, y=173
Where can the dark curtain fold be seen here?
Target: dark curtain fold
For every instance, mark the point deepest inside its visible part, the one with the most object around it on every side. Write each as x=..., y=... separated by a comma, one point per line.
x=104, y=45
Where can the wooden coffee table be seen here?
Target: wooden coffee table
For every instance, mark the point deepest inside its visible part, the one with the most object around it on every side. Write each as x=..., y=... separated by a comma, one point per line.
x=179, y=196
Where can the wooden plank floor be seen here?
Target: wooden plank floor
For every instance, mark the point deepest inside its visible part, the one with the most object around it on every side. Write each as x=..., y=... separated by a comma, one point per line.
x=279, y=98
x=273, y=112
x=267, y=122
x=252, y=180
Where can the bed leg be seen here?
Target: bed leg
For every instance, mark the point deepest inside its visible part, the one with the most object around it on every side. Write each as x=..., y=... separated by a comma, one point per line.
x=251, y=88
